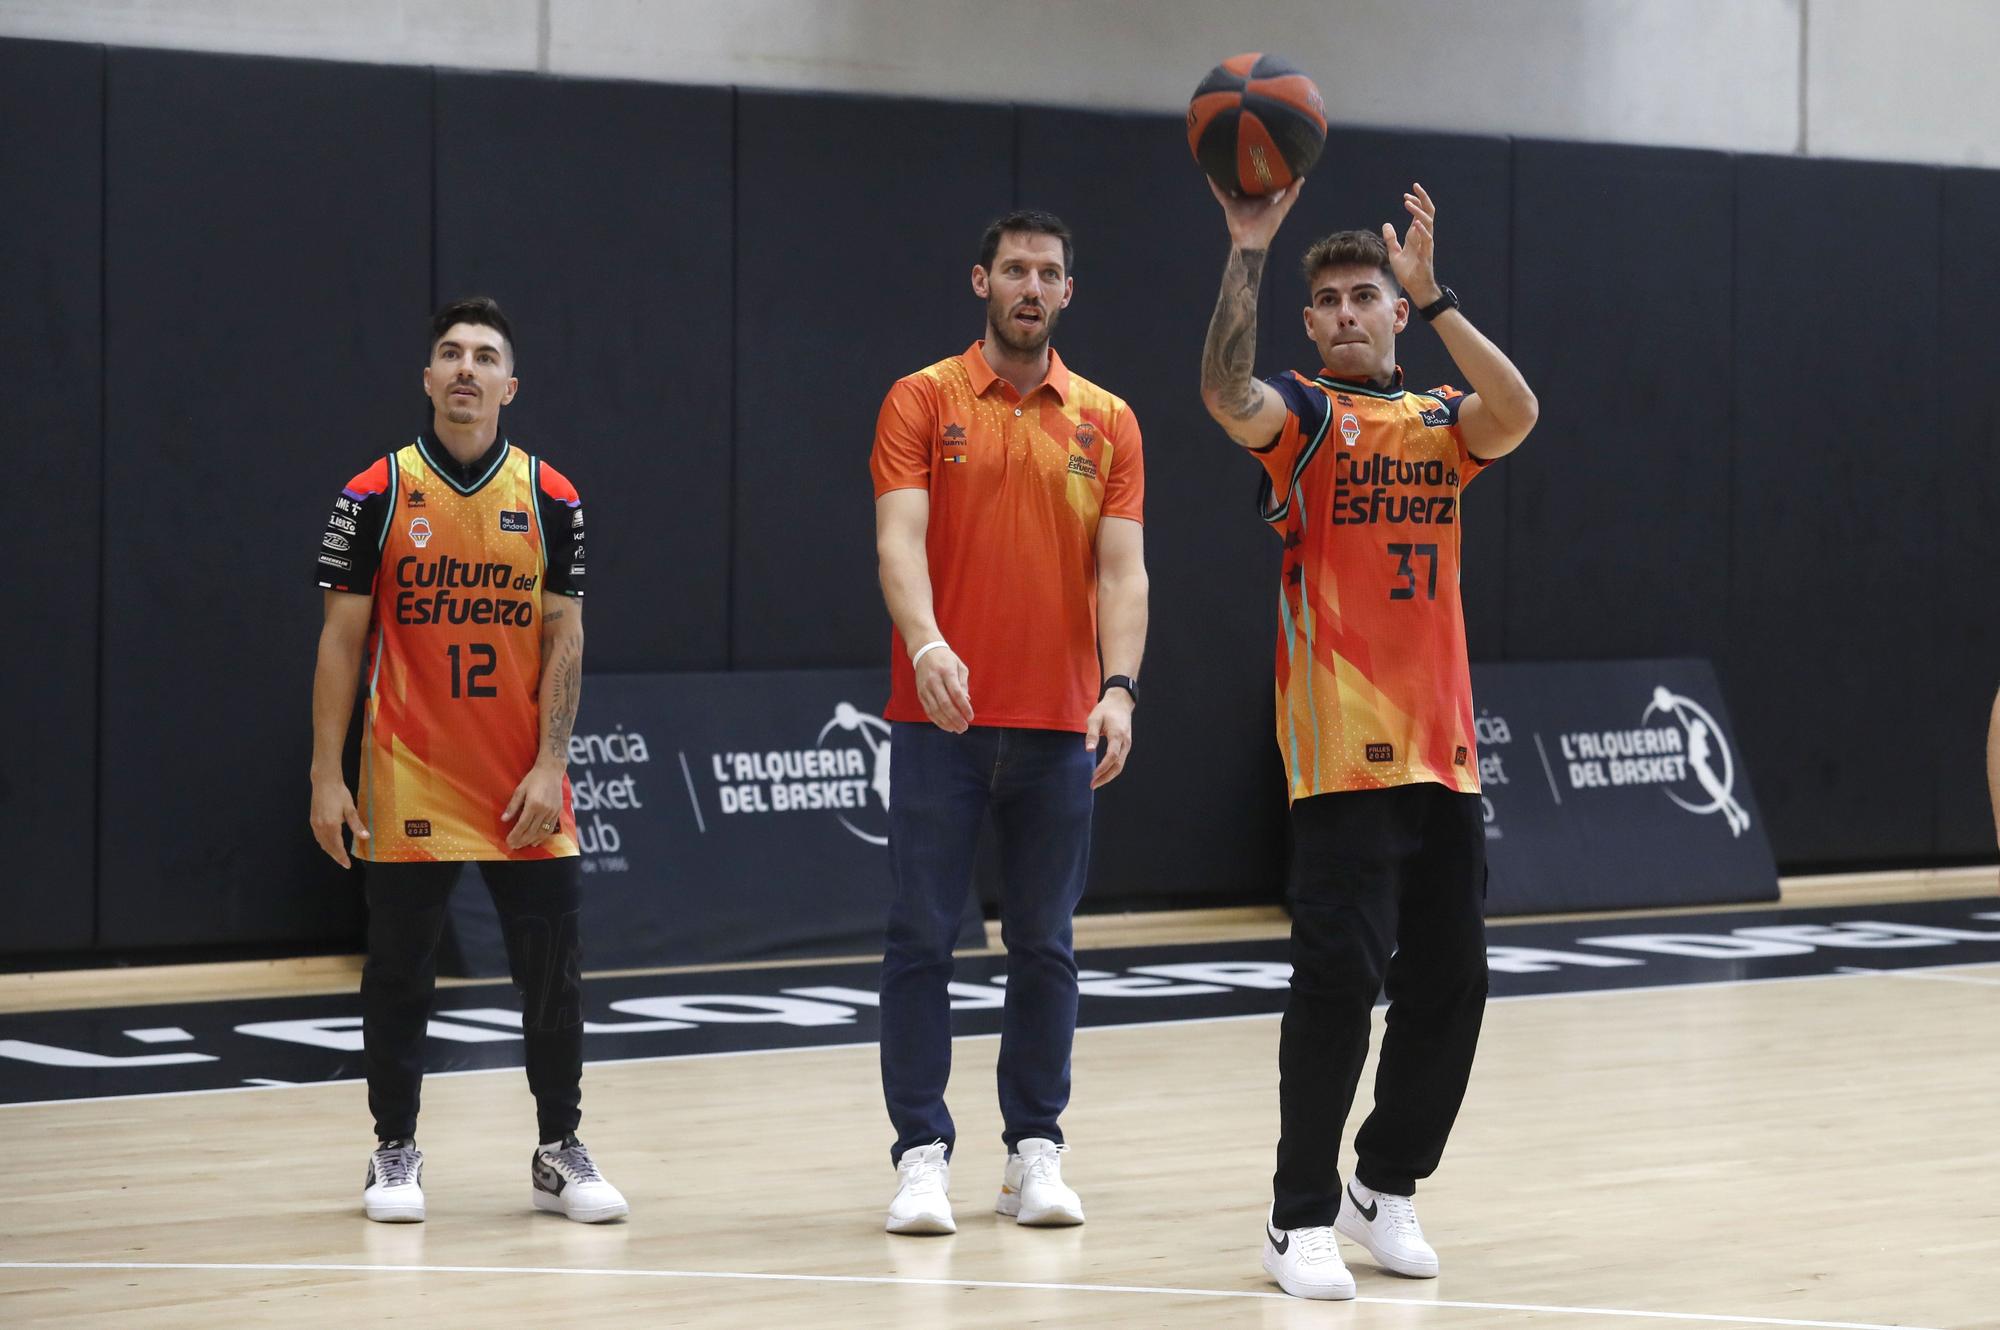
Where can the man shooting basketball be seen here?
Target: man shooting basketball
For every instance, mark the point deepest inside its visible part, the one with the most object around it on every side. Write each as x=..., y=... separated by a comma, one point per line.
x=1363, y=480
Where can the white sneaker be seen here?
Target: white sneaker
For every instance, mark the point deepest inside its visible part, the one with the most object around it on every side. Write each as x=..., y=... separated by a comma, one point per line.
x=394, y=1192
x=1306, y=1262
x=1387, y=1226
x=921, y=1206
x=567, y=1182
x=1032, y=1190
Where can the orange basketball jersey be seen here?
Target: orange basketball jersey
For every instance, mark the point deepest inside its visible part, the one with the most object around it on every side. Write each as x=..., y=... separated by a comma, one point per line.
x=454, y=663
x=1373, y=686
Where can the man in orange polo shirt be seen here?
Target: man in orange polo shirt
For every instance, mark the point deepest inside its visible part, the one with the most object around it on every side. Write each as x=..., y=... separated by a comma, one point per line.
x=1008, y=497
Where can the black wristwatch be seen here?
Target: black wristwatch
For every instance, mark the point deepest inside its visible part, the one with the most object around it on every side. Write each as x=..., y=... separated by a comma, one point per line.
x=1126, y=682
x=1449, y=300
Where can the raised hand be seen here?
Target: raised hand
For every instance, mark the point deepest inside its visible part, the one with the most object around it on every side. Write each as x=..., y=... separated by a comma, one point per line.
x=1254, y=221
x=1411, y=259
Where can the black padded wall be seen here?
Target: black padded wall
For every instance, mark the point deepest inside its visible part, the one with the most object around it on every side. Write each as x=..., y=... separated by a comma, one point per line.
x=267, y=255
x=1358, y=185
x=857, y=223
x=1963, y=594
x=51, y=418
x=1618, y=538
x=1834, y=535
x=1766, y=436
x=599, y=215
x=1203, y=742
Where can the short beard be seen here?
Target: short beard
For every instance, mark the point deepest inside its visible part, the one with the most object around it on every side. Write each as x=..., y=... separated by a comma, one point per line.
x=996, y=321
x=460, y=415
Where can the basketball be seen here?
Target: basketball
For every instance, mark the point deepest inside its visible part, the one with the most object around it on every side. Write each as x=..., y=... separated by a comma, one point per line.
x=1256, y=124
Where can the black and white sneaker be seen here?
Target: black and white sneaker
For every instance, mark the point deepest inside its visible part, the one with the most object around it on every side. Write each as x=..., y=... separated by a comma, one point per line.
x=1306, y=1262
x=567, y=1182
x=1386, y=1224
x=394, y=1192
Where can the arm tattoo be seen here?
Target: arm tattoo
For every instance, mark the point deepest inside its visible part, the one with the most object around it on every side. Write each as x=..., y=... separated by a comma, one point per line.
x=563, y=701
x=1230, y=353
x=549, y=616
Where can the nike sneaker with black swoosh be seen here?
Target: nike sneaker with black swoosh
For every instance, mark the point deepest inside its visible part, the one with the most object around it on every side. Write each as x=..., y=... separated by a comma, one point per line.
x=567, y=1182
x=1306, y=1262
x=1386, y=1224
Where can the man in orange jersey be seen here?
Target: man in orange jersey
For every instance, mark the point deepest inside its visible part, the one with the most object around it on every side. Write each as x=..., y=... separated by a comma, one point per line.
x=1363, y=480
x=455, y=566
x=1008, y=502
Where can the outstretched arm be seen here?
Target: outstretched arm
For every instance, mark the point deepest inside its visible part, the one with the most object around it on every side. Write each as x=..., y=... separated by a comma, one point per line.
x=1501, y=409
x=1247, y=409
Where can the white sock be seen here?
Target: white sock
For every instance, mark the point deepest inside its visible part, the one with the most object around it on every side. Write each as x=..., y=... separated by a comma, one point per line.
x=553, y=1147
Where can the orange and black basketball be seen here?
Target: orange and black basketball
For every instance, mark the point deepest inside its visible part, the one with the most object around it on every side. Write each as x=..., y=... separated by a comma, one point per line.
x=1256, y=124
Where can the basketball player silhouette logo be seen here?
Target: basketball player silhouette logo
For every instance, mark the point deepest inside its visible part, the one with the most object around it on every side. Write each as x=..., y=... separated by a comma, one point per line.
x=872, y=733
x=1708, y=758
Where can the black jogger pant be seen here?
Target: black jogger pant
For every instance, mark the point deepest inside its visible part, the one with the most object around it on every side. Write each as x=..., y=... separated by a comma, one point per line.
x=538, y=903
x=1388, y=888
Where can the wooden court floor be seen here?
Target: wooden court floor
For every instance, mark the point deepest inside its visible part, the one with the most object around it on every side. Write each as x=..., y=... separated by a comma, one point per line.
x=1814, y=1152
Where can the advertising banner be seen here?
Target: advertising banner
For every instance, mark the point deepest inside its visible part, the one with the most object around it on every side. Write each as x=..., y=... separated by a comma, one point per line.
x=722, y=817
x=1613, y=785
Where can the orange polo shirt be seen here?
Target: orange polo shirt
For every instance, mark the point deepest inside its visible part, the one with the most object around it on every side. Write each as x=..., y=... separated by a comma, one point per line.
x=1017, y=487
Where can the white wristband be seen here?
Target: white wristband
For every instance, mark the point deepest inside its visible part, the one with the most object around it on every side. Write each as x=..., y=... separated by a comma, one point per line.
x=925, y=650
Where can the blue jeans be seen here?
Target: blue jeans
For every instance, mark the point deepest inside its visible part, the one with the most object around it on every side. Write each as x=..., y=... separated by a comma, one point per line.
x=1037, y=783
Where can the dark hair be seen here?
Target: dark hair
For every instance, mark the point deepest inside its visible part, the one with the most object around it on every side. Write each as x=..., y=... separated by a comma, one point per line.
x=1032, y=221
x=1358, y=249
x=481, y=310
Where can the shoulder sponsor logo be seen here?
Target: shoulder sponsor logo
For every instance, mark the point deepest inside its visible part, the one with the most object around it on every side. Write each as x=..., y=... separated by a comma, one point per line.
x=335, y=561
x=1082, y=466
x=1435, y=416
x=577, y=554
x=576, y=570
x=342, y=523
x=1350, y=428
x=510, y=520
x=346, y=505
x=576, y=519
x=1381, y=752
x=420, y=532
x=333, y=540
x=417, y=828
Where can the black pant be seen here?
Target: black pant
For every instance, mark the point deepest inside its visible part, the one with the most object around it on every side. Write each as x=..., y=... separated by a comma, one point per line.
x=538, y=903
x=1387, y=885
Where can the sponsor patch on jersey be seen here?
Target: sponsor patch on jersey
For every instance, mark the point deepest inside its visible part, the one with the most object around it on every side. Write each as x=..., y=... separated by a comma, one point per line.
x=1458, y=758
x=416, y=827
x=576, y=519
x=513, y=521
x=343, y=523
x=333, y=540
x=575, y=569
x=1082, y=466
x=1381, y=752
x=335, y=561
